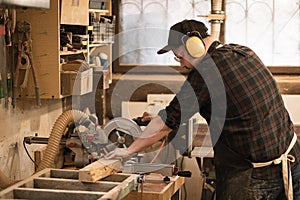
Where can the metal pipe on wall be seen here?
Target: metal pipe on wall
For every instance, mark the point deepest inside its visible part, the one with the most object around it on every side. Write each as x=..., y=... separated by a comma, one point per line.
x=215, y=30
x=216, y=8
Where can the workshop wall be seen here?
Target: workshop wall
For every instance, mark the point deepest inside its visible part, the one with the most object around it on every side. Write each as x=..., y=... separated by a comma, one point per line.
x=293, y=107
x=26, y=119
x=135, y=87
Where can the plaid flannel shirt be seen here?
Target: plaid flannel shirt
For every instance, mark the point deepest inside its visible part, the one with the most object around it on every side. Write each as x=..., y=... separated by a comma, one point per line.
x=257, y=125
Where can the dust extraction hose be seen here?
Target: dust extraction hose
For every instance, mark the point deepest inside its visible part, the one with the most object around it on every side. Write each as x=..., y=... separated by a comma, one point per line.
x=59, y=127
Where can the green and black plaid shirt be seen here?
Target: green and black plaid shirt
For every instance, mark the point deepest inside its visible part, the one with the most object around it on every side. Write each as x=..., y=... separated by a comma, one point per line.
x=257, y=125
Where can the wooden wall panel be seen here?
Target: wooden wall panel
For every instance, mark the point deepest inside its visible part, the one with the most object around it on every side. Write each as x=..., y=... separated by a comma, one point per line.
x=45, y=44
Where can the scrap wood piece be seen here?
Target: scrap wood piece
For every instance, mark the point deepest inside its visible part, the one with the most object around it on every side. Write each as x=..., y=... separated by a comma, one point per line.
x=98, y=170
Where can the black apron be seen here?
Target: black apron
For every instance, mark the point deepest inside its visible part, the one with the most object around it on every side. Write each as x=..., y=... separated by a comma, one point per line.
x=233, y=173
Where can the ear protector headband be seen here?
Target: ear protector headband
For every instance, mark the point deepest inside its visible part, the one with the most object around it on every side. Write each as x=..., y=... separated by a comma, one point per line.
x=193, y=42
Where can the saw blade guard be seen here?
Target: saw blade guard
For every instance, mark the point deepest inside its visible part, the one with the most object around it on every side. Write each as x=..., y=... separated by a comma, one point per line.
x=122, y=131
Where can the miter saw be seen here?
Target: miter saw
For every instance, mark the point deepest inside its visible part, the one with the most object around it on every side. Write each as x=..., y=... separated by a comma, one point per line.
x=86, y=141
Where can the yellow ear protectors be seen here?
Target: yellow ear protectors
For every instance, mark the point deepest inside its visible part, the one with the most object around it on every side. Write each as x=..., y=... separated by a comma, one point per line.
x=193, y=44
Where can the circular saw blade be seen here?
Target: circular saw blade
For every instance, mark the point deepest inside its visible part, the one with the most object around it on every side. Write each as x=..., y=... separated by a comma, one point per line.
x=122, y=131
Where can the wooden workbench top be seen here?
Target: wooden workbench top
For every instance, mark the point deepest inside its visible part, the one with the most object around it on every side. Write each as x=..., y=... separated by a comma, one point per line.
x=154, y=188
x=288, y=84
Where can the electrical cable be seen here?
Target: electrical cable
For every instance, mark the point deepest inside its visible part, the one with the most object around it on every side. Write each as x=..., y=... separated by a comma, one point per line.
x=167, y=149
x=158, y=151
x=142, y=189
x=184, y=186
x=36, y=165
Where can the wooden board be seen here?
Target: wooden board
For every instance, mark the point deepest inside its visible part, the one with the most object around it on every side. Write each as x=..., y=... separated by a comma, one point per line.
x=64, y=184
x=98, y=170
x=45, y=49
x=288, y=84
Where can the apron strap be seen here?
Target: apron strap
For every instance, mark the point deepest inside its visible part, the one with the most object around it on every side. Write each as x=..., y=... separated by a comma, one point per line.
x=285, y=160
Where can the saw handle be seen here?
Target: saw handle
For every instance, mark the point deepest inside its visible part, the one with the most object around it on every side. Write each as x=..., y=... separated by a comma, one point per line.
x=184, y=173
x=139, y=121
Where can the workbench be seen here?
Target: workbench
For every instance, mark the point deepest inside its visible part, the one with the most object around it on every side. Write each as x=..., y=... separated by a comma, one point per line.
x=152, y=188
x=156, y=189
x=63, y=184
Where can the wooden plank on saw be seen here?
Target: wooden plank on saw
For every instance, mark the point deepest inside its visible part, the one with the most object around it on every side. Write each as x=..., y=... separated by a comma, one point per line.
x=98, y=170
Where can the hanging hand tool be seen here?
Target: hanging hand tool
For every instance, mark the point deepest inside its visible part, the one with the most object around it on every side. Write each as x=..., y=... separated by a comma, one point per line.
x=25, y=63
x=25, y=59
x=10, y=29
x=7, y=27
x=3, y=66
x=2, y=22
x=10, y=19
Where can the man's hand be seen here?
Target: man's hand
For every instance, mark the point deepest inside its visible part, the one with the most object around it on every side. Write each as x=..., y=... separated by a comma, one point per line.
x=147, y=117
x=119, y=152
x=155, y=131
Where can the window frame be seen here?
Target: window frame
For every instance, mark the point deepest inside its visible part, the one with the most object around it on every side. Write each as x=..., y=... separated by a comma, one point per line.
x=123, y=68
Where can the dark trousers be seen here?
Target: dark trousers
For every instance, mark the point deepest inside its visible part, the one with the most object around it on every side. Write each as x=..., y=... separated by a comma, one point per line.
x=259, y=189
x=235, y=182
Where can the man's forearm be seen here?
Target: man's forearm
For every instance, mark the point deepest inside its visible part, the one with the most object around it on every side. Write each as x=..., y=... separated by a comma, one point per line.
x=155, y=130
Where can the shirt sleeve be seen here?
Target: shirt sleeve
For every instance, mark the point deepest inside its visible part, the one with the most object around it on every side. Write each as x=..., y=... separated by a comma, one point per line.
x=188, y=101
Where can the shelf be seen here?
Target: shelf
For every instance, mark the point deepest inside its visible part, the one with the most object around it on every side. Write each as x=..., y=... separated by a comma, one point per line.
x=74, y=19
x=98, y=45
x=98, y=11
x=66, y=53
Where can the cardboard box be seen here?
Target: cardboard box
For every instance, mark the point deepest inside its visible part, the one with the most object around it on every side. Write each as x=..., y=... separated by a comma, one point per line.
x=75, y=82
x=75, y=12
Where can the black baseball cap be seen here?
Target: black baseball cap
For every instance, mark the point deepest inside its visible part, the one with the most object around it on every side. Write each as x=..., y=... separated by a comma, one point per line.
x=180, y=29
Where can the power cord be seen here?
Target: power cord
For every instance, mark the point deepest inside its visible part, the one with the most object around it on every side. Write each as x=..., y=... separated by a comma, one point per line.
x=24, y=145
x=184, y=186
x=159, y=150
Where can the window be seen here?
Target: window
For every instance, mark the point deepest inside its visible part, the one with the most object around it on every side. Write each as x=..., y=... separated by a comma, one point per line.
x=270, y=27
x=145, y=26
